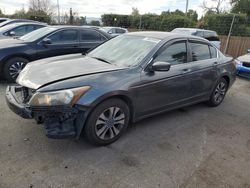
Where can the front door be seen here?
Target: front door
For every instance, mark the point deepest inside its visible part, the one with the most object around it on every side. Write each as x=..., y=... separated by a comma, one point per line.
x=159, y=91
x=62, y=43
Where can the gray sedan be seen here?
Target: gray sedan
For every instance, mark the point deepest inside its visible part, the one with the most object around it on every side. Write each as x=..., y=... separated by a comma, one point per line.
x=126, y=79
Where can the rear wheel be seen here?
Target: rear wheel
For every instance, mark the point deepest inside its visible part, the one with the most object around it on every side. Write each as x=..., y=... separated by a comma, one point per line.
x=107, y=122
x=219, y=93
x=13, y=67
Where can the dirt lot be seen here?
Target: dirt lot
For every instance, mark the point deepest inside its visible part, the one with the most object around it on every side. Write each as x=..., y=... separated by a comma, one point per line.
x=192, y=147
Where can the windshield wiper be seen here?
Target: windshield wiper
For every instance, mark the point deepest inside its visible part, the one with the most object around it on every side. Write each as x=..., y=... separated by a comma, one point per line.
x=103, y=60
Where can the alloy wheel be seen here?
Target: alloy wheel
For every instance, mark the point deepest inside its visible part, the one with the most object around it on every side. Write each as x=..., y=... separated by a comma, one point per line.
x=220, y=92
x=16, y=68
x=110, y=123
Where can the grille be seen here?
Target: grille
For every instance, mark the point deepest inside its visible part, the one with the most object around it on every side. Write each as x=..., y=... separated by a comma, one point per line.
x=244, y=64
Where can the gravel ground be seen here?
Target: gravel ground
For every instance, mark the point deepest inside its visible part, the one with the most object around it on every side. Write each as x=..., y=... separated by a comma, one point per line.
x=191, y=147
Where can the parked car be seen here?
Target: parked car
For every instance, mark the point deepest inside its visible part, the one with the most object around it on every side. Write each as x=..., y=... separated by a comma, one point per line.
x=243, y=65
x=128, y=78
x=212, y=36
x=3, y=19
x=11, y=21
x=46, y=42
x=19, y=29
x=114, y=31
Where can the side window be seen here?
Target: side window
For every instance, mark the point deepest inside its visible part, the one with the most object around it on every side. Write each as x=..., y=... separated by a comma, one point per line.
x=199, y=51
x=120, y=31
x=213, y=52
x=112, y=31
x=211, y=36
x=174, y=54
x=19, y=31
x=200, y=34
x=89, y=36
x=29, y=28
x=66, y=36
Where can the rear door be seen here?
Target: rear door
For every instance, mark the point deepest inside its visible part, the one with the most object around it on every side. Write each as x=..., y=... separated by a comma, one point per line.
x=90, y=39
x=203, y=63
x=62, y=42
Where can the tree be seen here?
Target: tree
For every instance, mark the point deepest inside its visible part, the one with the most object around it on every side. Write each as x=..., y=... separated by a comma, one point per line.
x=217, y=8
x=95, y=23
x=135, y=12
x=192, y=15
x=40, y=10
x=44, y=6
x=1, y=13
x=241, y=6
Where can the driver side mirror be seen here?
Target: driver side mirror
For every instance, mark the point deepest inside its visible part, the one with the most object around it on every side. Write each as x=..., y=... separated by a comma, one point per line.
x=46, y=41
x=12, y=33
x=160, y=66
x=110, y=32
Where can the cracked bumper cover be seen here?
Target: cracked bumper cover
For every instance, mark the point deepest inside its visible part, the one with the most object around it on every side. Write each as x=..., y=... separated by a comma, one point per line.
x=60, y=122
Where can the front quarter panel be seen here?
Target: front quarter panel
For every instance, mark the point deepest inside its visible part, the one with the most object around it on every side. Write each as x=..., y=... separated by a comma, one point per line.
x=103, y=85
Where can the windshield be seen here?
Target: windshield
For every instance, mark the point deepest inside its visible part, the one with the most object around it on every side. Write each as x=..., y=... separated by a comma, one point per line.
x=37, y=34
x=7, y=28
x=125, y=50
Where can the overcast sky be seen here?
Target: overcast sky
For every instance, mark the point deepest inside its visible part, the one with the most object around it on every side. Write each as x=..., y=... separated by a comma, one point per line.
x=95, y=8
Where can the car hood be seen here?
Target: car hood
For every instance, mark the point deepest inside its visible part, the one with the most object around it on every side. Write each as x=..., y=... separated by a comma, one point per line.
x=244, y=58
x=10, y=42
x=50, y=70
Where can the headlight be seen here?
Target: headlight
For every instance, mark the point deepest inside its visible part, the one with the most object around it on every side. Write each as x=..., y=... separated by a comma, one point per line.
x=57, y=98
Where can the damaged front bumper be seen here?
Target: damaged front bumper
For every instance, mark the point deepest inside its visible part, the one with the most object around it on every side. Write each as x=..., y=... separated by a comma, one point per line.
x=60, y=122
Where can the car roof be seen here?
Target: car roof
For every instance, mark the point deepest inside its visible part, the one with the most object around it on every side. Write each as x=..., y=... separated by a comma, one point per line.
x=29, y=23
x=165, y=35
x=80, y=27
x=194, y=29
x=110, y=27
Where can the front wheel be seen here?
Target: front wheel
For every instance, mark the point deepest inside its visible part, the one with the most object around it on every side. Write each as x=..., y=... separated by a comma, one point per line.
x=107, y=122
x=218, y=93
x=13, y=67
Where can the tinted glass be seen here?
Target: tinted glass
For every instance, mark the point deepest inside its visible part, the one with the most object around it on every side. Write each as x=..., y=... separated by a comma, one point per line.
x=211, y=36
x=120, y=31
x=200, y=34
x=19, y=31
x=90, y=36
x=200, y=51
x=213, y=52
x=29, y=28
x=66, y=36
x=174, y=54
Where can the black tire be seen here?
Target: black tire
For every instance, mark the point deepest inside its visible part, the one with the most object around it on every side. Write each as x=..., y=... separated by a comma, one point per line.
x=218, y=93
x=91, y=128
x=17, y=62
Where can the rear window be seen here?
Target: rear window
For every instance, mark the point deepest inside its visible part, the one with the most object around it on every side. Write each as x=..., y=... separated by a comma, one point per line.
x=200, y=51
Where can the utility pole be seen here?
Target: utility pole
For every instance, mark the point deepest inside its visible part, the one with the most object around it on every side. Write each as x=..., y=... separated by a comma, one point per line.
x=186, y=6
x=58, y=11
x=140, y=23
x=229, y=35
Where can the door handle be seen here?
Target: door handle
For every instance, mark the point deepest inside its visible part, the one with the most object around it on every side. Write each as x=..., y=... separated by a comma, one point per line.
x=216, y=63
x=186, y=70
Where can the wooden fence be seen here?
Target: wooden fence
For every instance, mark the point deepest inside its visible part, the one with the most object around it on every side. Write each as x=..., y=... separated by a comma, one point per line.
x=237, y=46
